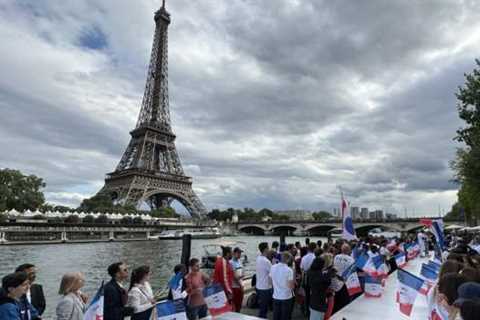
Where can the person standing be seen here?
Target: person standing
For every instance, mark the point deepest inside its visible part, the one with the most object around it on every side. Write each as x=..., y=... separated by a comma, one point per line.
x=237, y=286
x=14, y=286
x=283, y=285
x=263, y=284
x=140, y=294
x=195, y=283
x=320, y=280
x=223, y=273
x=115, y=295
x=305, y=264
x=72, y=304
x=34, y=296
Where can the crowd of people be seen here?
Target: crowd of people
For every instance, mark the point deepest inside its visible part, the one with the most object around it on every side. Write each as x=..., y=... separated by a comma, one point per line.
x=23, y=299
x=306, y=276
x=310, y=276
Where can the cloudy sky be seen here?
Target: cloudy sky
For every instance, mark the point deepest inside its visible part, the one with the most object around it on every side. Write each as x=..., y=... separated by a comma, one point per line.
x=274, y=103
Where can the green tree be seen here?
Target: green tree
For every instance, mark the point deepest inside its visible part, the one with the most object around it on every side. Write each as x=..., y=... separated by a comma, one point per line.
x=73, y=219
x=321, y=215
x=467, y=162
x=88, y=219
x=19, y=191
x=101, y=219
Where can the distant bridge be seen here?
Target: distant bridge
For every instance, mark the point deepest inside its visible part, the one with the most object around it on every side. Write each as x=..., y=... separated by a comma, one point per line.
x=321, y=227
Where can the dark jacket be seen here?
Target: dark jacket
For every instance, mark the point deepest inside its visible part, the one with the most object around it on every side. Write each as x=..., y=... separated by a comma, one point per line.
x=9, y=309
x=319, y=282
x=38, y=298
x=27, y=310
x=115, y=298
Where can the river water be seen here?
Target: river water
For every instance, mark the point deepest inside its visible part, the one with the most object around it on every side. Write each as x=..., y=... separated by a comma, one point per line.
x=92, y=259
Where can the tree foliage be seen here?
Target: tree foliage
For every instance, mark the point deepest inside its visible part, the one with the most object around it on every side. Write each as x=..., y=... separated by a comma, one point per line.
x=19, y=191
x=322, y=215
x=467, y=162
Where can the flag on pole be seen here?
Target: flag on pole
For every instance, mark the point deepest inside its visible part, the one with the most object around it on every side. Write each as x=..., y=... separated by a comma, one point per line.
x=351, y=280
x=408, y=287
x=95, y=308
x=216, y=300
x=170, y=310
x=348, y=232
x=436, y=227
x=373, y=287
x=365, y=263
x=400, y=260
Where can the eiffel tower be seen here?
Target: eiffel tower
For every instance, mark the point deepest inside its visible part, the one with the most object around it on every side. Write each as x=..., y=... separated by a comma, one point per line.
x=150, y=170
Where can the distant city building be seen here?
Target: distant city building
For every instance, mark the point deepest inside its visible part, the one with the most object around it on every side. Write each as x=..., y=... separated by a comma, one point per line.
x=390, y=216
x=364, y=213
x=296, y=214
x=355, y=212
x=372, y=215
x=379, y=214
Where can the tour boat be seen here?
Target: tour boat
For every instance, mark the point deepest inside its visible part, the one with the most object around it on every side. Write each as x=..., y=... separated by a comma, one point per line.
x=214, y=250
x=211, y=233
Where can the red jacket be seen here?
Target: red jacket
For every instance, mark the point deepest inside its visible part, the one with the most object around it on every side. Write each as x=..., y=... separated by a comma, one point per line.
x=223, y=274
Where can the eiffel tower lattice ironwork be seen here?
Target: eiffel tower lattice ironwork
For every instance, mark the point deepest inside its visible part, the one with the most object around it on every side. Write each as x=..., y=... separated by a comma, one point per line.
x=150, y=169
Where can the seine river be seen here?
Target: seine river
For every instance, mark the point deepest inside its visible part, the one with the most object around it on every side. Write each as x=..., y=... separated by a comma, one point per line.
x=93, y=259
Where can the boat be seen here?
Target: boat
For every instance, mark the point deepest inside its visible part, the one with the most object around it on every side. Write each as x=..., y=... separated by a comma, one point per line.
x=214, y=250
x=379, y=232
x=211, y=233
x=335, y=233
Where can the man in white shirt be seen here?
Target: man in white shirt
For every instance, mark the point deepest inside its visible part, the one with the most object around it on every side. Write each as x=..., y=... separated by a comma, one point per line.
x=263, y=284
x=305, y=265
x=343, y=260
x=283, y=284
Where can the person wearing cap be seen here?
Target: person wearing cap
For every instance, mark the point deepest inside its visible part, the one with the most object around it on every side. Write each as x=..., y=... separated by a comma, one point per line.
x=237, y=286
x=468, y=301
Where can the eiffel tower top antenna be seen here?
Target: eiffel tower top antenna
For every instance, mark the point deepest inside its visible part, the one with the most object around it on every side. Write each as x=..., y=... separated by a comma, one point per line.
x=163, y=4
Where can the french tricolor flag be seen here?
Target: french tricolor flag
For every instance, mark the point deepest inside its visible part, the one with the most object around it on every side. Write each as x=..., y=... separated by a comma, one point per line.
x=408, y=287
x=436, y=227
x=430, y=276
x=348, y=232
x=380, y=266
x=373, y=287
x=351, y=280
x=365, y=263
x=170, y=310
x=400, y=260
x=95, y=308
x=434, y=265
x=216, y=300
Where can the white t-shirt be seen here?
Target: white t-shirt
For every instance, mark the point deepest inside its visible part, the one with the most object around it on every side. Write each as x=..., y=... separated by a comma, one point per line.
x=341, y=262
x=307, y=261
x=280, y=275
x=262, y=271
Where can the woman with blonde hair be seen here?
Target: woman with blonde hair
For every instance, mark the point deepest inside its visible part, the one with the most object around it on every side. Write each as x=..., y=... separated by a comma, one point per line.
x=72, y=304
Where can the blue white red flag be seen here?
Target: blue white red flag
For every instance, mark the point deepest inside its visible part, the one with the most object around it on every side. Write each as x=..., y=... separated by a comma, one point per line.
x=380, y=266
x=436, y=227
x=429, y=275
x=95, y=308
x=412, y=249
x=216, y=300
x=401, y=260
x=438, y=312
x=170, y=310
x=365, y=263
x=373, y=287
x=408, y=287
x=351, y=280
x=348, y=232
x=434, y=265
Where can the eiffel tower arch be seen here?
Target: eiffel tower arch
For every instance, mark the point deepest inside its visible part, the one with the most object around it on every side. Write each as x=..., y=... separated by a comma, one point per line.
x=150, y=169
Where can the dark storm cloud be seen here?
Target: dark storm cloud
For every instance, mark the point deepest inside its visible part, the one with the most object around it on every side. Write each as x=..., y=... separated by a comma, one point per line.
x=274, y=103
